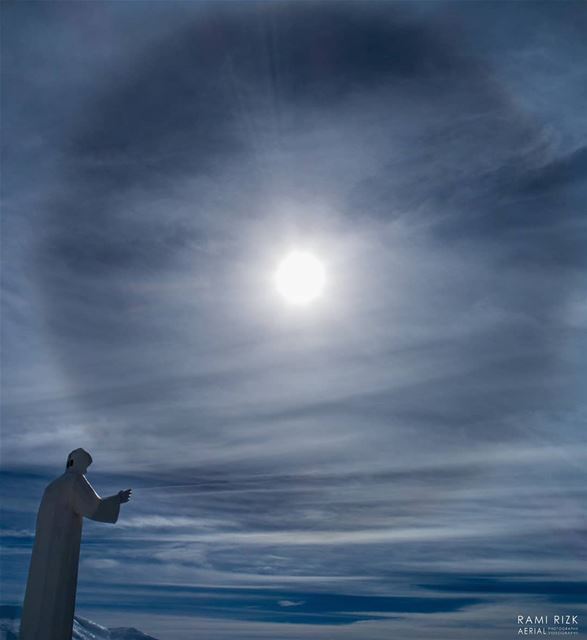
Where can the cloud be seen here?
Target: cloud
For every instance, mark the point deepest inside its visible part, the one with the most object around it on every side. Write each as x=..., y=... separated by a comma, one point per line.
x=101, y=563
x=290, y=603
x=16, y=533
x=170, y=522
x=422, y=423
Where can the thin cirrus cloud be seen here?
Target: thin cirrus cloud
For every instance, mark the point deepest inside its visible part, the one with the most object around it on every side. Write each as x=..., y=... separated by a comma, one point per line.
x=421, y=423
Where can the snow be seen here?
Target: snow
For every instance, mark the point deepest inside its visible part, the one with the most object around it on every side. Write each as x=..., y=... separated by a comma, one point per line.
x=83, y=629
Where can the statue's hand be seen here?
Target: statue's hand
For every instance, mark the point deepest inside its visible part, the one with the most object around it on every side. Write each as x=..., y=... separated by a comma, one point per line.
x=124, y=495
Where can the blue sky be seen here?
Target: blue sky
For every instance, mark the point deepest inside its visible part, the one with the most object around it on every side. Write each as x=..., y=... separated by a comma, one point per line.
x=404, y=458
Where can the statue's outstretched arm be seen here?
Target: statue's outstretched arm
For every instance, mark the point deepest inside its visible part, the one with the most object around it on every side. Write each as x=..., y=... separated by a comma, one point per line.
x=87, y=503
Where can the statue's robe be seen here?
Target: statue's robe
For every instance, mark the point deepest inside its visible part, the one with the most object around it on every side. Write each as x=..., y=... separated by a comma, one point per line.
x=49, y=602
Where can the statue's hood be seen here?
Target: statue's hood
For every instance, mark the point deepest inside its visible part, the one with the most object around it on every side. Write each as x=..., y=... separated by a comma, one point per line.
x=78, y=461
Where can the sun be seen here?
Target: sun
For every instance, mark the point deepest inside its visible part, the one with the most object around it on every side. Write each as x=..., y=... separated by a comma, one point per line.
x=300, y=278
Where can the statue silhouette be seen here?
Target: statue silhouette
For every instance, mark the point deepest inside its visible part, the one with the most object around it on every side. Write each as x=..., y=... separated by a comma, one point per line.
x=49, y=601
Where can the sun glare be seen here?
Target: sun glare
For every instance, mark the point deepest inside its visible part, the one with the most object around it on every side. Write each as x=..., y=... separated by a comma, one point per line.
x=300, y=278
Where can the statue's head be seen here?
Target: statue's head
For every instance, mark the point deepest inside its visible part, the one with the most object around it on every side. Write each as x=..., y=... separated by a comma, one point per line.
x=79, y=460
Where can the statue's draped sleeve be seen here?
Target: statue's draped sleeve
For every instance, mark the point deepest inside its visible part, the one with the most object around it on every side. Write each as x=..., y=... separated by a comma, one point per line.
x=87, y=503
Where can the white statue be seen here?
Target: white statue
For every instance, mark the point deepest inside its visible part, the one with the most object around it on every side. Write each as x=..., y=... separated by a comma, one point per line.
x=49, y=602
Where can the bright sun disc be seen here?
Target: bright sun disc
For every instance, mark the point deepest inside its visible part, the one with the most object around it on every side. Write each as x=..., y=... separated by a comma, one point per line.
x=300, y=277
